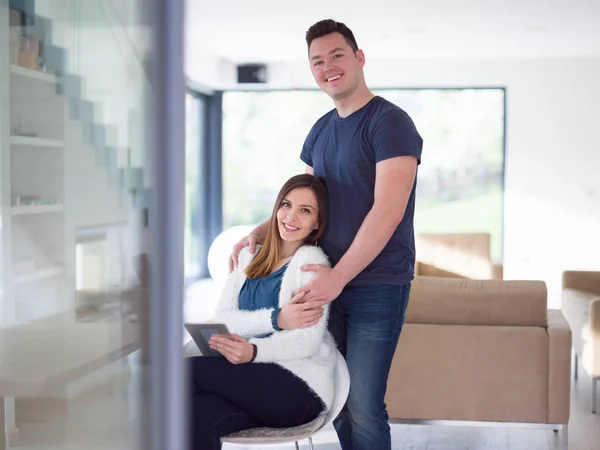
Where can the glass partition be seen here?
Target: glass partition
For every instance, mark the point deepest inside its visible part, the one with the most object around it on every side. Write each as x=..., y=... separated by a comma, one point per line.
x=75, y=186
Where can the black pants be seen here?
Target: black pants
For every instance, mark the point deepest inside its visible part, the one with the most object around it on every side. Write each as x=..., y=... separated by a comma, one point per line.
x=225, y=398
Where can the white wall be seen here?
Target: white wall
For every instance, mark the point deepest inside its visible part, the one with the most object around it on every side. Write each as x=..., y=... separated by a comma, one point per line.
x=203, y=67
x=552, y=204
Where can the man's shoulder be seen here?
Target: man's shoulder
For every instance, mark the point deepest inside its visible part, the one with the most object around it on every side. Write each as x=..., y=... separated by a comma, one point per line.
x=388, y=115
x=326, y=117
x=322, y=121
x=385, y=107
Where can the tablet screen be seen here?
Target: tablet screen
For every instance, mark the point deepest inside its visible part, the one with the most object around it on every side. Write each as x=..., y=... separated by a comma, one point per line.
x=201, y=333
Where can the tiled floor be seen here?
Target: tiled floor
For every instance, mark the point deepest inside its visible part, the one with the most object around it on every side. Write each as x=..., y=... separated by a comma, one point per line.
x=108, y=421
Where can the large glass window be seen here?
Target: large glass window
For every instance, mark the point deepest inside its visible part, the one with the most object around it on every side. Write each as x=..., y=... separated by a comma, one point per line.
x=460, y=187
x=193, y=148
x=263, y=133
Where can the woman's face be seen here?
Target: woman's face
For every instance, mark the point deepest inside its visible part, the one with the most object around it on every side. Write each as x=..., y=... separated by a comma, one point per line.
x=297, y=215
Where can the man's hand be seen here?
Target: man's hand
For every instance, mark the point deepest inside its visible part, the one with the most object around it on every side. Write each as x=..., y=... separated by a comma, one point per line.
x=297, y=314
x=325, y=286
x=235, y=348
x=249, y=241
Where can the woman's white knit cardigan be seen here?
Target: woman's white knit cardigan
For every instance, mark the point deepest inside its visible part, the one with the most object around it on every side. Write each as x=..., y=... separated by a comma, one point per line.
x=309, y=353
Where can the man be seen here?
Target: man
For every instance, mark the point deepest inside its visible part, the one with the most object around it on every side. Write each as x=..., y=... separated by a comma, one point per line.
x=367, y=150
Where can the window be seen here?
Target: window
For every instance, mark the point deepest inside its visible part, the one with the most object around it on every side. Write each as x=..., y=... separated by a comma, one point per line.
x=263, y=133
x=194, y=134
x=460, y=186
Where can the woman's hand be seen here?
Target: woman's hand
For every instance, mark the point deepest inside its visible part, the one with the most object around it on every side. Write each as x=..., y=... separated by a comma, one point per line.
x=234, y=348
x=297, y=314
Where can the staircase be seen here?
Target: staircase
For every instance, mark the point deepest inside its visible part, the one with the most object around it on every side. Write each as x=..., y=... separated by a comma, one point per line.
x=89, y=103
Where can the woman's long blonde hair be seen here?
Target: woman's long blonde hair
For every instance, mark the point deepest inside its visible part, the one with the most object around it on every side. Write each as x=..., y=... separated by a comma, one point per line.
x=262, y=265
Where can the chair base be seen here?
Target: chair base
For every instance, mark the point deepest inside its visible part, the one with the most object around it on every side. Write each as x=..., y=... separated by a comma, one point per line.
x=310, y=442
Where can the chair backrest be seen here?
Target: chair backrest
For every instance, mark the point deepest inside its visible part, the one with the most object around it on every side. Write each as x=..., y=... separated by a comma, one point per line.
x=342, y=388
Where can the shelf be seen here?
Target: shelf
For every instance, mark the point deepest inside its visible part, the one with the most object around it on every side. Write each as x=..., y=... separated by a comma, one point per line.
x=39, y=275
x=35, y=209
x=34, y=141
x=33, y=74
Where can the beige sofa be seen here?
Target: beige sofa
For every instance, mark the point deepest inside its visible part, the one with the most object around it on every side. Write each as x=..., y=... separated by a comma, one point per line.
x=581, y=308
x=481, y=351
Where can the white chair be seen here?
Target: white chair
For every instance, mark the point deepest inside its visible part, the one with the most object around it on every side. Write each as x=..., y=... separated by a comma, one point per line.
x=265, y=435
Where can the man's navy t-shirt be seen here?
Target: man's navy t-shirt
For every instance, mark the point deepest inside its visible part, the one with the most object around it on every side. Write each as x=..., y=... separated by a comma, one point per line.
x=344, y=152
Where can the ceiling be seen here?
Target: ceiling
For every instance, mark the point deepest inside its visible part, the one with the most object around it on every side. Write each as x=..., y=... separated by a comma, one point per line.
x=273, y=30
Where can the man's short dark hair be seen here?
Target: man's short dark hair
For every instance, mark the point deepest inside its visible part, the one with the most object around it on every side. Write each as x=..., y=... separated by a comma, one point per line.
x=328, y=26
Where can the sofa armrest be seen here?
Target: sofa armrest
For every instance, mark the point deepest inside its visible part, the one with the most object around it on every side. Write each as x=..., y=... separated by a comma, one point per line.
x=582, y=280
x=559, y=368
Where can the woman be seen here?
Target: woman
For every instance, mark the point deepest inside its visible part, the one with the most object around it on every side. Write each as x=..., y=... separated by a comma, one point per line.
x=277, y=367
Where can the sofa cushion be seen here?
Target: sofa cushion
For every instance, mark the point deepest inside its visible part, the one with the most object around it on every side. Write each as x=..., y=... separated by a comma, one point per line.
x=454, y=301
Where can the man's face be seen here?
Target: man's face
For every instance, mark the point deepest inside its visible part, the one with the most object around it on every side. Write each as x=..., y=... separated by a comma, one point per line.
x=334, y=65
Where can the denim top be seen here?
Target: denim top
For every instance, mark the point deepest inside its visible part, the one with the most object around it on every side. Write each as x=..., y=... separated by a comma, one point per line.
x=261, y=293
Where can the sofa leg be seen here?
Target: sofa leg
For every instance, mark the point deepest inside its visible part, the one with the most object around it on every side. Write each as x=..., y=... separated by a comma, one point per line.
x=594, y=393
x=575, y=366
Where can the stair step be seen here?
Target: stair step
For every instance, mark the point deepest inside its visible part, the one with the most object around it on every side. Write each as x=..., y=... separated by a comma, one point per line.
x=112, y=135
x=71, y=86
x=99, y=134
x=40, y=29
x=111, y=157
x=142, y=199
x=54, y=58
x=102, y=156
x=27, y=7
x=82, y=110
x=131, y=178
x=86, y=133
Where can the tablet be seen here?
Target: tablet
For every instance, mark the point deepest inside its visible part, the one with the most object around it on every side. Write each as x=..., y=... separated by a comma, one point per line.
x=201, y=333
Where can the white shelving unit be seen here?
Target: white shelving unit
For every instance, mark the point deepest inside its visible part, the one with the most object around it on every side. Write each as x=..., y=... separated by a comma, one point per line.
x=34, y=141
x=38, y=275
x=33, y=74
x=36, y=209
x=44, y=151
x=33, y=164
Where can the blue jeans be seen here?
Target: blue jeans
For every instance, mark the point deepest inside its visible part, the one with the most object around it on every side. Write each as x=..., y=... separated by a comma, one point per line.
x=366, y=322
